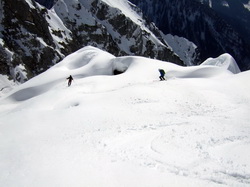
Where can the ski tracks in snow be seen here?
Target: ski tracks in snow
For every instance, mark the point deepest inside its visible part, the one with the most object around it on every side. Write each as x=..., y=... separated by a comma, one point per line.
x=202, y=144
x=187, y=150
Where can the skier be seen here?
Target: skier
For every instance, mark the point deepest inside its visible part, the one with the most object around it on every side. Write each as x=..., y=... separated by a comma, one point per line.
x=162, y=74
x=70, y=78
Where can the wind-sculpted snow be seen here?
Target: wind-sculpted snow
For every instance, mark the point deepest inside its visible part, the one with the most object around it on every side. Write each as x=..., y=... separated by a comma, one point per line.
x=128, y=129
x=89, y=62
x=225, y=61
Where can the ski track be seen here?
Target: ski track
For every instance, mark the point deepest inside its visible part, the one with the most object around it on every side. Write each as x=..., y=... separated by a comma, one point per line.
x=163, y=144
x=157, y=145
x=175, y=140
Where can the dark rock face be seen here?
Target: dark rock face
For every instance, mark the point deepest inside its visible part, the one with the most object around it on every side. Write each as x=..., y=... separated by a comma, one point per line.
x=47, y=3
x=235, y=13
x=131, y=37
x=199, y=24
x=23, y=27
x=4, y=59
x=30, y=38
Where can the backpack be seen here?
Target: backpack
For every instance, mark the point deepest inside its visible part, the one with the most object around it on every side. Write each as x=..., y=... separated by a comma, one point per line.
x=162, y=72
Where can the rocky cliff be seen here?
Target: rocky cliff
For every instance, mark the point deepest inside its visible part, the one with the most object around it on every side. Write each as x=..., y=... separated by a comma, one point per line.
x=33, y=37
x=201, y=24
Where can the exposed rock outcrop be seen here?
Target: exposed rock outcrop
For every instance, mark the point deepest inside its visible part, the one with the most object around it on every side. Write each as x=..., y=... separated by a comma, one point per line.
x=202, y=25
x=36, y=37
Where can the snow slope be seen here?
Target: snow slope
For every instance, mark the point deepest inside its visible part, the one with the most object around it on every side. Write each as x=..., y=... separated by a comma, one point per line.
x=6, y=85
x=128, y=129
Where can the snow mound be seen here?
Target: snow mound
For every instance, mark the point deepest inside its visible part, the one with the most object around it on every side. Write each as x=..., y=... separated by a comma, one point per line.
x=85, y=62
x=225, y=61
x=90, y=65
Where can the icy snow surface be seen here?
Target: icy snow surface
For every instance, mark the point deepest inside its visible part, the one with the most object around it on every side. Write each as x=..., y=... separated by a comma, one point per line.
x=129, y=129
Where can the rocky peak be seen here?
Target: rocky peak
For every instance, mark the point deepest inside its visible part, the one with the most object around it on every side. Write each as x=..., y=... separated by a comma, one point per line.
x=39, y=38
x=26, y=38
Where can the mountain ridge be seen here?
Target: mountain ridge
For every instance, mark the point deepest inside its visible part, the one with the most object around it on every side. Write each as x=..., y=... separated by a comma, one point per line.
x=34, y=41
x=205, y=27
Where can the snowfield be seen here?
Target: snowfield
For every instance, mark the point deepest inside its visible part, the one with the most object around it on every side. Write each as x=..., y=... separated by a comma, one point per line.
x=129, y=129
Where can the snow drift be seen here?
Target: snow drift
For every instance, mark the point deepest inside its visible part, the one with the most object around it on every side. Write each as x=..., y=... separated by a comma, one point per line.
x=128, y=129
x=90, y=61
x=225, y=61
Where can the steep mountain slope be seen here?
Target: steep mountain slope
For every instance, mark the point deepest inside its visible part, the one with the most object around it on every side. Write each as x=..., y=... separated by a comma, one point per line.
x=199, y=24
x=32, y=42
x=237, y=13
x=29, y=44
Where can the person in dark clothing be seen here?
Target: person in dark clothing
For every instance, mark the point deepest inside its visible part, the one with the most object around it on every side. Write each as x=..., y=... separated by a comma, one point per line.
x=162, y=74
x=70, y=79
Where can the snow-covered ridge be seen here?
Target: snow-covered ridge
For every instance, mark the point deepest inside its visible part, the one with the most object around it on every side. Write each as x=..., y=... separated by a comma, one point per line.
x=90, y=62
x=126, y=9
x=46, y=36
x=128, y=129
x=225, y=61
